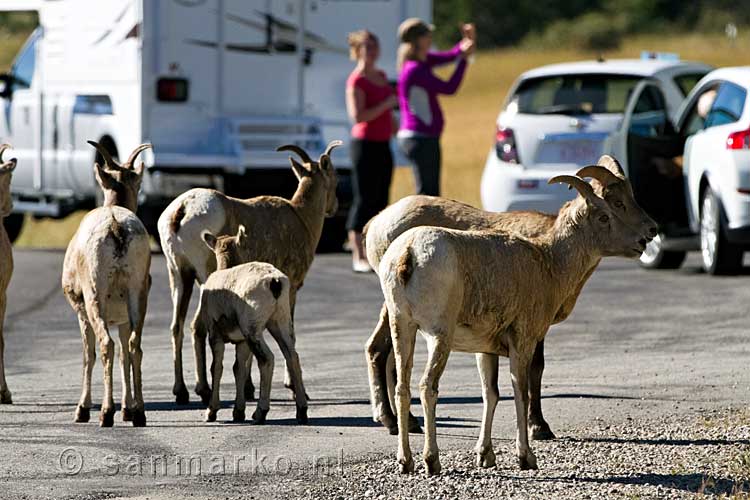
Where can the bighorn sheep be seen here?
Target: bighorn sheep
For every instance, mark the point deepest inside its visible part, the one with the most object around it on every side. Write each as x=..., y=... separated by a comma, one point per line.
x=284, y=233
x=490, y=292
x=106, y=281
x=6, y=261
x=608, y=182
x=236, y=304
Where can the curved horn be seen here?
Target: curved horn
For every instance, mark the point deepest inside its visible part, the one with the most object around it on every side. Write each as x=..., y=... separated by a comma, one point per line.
x=136, y=152
x=105, y=154
x=611, y=164
x=583, y=187
x=2, y=150
x=331, y=146
x=298, y=150
x=601, y=174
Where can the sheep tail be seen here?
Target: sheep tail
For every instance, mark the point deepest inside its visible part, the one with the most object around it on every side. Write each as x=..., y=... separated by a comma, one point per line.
x=405, y=267
x=176, y=219
x=276, y=287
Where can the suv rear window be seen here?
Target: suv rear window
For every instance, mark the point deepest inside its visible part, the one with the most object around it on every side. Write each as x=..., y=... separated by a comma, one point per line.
x=575, y=94
x=687, y=81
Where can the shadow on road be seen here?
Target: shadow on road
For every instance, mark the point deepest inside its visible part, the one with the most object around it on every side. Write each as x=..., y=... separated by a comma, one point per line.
x=660, y=442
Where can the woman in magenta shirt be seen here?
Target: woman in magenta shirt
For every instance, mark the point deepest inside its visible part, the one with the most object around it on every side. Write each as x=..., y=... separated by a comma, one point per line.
x=369, y=101
x=418, y=89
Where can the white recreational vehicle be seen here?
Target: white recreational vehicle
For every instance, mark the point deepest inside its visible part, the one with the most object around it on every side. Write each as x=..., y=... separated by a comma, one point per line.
x=215, y=85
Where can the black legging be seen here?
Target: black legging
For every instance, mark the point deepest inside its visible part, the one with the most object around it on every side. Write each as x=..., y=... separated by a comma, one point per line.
x=372, y=169
x=424, y=154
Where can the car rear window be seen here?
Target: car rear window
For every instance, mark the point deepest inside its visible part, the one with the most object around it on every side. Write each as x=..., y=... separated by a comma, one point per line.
x=687, y=81
x=575, y=94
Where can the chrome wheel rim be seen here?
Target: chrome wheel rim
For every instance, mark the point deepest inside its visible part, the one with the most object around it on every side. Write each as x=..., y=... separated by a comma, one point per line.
x=652, y=251
x=709, y=231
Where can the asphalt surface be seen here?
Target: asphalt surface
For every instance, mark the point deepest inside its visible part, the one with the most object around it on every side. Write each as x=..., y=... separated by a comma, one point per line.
x=639, y=345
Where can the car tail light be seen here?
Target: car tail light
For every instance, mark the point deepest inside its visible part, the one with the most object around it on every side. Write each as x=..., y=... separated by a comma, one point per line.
x=505, y=145
x=172, y=89
x=739, y=140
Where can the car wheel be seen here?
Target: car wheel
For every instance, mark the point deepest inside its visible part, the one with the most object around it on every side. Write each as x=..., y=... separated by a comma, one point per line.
x=13, y=225
x=717, y=254
x=655, y=257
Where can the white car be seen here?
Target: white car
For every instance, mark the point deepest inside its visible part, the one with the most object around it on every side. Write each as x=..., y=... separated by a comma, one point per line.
x=560, y=117
x=716, y=167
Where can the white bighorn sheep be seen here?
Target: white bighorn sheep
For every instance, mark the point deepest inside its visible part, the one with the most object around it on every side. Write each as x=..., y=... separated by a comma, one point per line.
x=6, y=261
x=237, y=303
x=413, y=211
x=106, y=281
x=284, y=233
x=495, y=293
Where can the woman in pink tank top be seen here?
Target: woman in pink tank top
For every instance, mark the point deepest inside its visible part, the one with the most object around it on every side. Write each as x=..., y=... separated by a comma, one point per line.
x=369, y=101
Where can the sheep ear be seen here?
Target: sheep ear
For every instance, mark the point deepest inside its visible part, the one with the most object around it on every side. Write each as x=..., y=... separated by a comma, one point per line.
x=140, y=168
x=325, y=162
x=209, y=239
x=103, y=177
x=241, y=233
x=299, y=170
x=9, y=166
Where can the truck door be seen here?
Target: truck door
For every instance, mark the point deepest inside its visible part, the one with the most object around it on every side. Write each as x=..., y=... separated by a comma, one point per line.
x=22, y=112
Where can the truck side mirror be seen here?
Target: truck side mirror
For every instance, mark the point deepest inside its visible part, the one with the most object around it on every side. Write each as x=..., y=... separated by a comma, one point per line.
x=6, y=87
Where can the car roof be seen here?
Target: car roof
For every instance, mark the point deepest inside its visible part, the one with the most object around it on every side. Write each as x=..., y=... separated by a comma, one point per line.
x=736, y=74
x=638, y=67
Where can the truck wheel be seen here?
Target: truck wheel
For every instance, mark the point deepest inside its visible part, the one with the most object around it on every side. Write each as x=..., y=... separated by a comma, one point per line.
x=719, y=256
x=13, y=225
x=655, y=257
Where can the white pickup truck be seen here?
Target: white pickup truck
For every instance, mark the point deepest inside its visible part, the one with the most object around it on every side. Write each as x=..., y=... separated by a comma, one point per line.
x=214, y=85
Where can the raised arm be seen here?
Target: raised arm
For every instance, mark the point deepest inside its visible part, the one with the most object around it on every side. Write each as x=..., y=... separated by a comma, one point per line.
x=431, y=82
x=444, y=57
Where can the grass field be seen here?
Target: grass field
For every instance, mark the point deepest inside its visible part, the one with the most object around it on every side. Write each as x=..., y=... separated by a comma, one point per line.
x=470, y=115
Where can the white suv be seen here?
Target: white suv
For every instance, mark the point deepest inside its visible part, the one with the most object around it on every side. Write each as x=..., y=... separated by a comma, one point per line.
x=560, y=117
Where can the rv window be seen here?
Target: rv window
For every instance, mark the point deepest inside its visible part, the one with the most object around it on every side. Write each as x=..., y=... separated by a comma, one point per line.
x=23, y=68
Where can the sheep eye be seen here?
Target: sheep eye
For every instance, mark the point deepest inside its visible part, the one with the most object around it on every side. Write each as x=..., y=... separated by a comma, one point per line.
x=604, y=218
x=619, y=204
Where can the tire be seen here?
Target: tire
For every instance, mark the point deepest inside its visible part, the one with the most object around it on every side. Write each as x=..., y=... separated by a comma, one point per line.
x=654, y=257
x=13, y=225
x=718, y=255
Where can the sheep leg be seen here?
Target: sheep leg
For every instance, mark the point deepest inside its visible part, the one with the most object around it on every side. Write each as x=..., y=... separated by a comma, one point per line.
x=125, y=367
x=281, y=332
x=181, y=282
x=487, y=366
x=403, y=335
x=439, y=350
x=538, y=427
x=242, y=353
x=249, y=386
x=83, y=411
x=287, y=372
x=5, y=396
x=107, y=346
x=390, y=371
x=217, y=367
x=199, y=350
x=519, y=374
x=137, y=316
x=265, y=365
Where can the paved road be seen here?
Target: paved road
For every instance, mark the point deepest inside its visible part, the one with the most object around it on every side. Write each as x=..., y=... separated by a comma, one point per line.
x=639, y=344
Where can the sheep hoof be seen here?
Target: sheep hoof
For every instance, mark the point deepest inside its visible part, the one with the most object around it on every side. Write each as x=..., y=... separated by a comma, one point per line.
x=127, y=414
x=393, y=431
x=528, y=462
x=182, y=395
x=139, y=418
x=249, y=392
x=541, y=432
x=204, y=393
x=259, y=416
x=107, y=418
x=5, y=397
x=211, y=415
x=432, y=464
x=406, y=466
x=83, y=415
x=486, y=459
x=238, y=416
x=302, y=416
x=414, y=427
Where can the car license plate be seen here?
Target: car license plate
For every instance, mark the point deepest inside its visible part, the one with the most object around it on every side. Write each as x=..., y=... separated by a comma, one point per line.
x=576, y=151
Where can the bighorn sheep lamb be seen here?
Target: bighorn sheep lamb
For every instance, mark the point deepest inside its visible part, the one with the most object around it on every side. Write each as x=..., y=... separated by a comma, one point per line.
x=6, y=261
x=490, y=292
x=236, y=304
x=284, y=233
x=608, y=181
x=106, y=281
